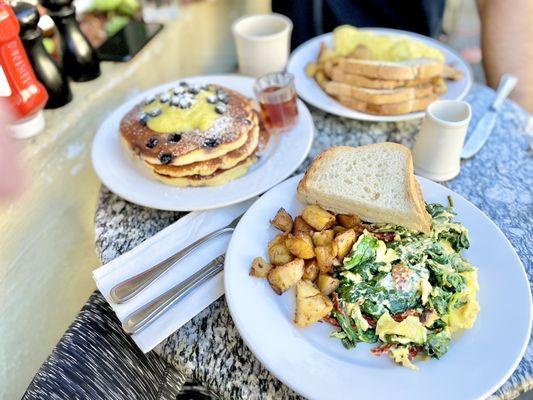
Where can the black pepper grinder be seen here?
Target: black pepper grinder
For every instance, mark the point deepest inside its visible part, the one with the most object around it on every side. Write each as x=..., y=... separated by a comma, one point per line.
x=46, y=69
x=79, y=58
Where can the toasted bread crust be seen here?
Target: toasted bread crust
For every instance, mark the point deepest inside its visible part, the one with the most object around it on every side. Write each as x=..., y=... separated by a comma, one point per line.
x=426, y=68
x=338, y=75
x=388, y=109
x=380, y=96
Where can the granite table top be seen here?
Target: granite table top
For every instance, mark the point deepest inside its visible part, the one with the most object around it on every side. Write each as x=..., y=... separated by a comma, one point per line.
x=208, y=349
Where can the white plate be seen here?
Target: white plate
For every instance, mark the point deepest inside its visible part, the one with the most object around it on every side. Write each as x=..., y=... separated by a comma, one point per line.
x=118, y=170
x=313, y=364
x=309, y=90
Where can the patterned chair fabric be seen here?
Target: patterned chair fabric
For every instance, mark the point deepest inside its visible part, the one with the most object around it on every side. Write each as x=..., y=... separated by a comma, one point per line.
x=96, y=360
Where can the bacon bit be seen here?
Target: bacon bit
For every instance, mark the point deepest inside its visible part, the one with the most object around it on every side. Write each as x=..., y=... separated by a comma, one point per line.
x=400, y=275
x=382, y=349
x=336, y=305
x=370, y=320
x=331, y=320
x=385, y=236
x=413, y=351
x=400, y=317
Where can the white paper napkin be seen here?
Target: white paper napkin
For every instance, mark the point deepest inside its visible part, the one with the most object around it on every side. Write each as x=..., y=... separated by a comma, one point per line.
x=157, y=248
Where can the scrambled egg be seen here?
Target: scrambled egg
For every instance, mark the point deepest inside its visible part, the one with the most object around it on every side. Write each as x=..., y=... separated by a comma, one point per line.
x=346, y=38
x=401, y=355
x=464, y=317
x=409, y=330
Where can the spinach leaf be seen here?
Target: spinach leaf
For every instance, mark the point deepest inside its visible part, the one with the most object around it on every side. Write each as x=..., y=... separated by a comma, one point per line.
x=437, y=343
x=364, y=253
x=439, y=299
x=350, y=338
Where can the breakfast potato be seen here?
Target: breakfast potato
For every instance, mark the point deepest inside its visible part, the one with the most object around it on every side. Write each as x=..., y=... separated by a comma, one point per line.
x=327, y=284
x=348, y=221
x=344, y=242
x=323, y=238
x=300, y=226
x=282, y=277
x=311, y=270
x=300, y=246
x=337, y=229
x=278, y=239
x=282, y=221
x=324, y=258
x=260, y=267
x=278, y=253
x=311, y=305
x=318, y=218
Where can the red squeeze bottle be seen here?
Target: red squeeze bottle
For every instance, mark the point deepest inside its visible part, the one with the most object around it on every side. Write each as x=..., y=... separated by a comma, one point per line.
x=18, y=84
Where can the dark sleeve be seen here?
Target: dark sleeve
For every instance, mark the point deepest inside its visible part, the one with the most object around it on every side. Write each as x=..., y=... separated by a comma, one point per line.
x=420, y=16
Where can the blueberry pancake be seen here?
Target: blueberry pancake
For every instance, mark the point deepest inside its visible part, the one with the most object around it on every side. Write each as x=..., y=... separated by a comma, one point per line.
x=220, y=177
x=224, y=162
x=188, y=124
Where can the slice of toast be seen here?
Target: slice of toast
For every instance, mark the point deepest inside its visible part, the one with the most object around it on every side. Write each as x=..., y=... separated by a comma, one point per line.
x=419, y=68
x=335, y=73
x=379, y=96
x=375, y=182
x=405, y=107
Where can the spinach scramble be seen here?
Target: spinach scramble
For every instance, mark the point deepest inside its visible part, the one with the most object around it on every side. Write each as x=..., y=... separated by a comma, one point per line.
x=406, y=291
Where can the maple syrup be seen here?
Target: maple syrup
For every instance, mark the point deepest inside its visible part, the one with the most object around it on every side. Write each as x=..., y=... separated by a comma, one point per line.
x=277, y=102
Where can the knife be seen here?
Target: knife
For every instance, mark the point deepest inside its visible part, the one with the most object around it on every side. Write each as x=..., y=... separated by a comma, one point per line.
x=485, y=125
x=144, y=316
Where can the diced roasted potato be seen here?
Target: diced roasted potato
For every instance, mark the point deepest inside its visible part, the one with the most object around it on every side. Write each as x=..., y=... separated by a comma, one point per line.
x=337, y=229
x=323, y=238
x=327, y=284
x=318, y=218
x=301, y=245
x=311, y=305
x=324, y=258
x=279, y=254
x=260, y=267
x=348, y=221
x=344, y=243
x=300, y=226
x=334, y=249
x=311, y=270
x=282, y=221
x=282, y=277
x=278, y=239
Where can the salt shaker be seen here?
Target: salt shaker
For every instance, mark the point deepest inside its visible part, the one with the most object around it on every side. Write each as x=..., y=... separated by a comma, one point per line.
x=437, y=151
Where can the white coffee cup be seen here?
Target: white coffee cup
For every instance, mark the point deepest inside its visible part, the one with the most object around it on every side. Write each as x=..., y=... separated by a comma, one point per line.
x=263, y=43
x=437, y=151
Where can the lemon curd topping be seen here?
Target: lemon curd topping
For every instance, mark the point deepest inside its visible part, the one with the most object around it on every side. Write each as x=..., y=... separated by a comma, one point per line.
x=183, y=112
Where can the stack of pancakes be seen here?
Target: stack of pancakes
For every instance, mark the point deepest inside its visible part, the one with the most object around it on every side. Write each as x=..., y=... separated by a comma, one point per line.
x=195, y=135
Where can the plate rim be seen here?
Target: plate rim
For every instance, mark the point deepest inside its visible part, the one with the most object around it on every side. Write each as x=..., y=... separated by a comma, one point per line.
x=297, y=388
x=126, y=195
x=361, y=116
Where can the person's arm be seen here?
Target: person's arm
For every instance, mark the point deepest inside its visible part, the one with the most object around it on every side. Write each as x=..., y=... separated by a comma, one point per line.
x=507, y=45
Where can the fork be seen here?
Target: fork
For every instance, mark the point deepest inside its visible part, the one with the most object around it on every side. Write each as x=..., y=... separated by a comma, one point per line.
x=133, y=286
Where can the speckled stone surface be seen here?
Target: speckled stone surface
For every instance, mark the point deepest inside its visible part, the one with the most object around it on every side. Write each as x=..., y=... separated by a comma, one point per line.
x=499, y=180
